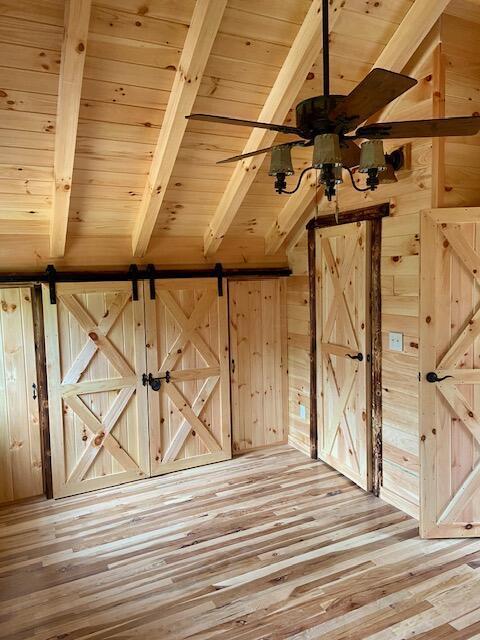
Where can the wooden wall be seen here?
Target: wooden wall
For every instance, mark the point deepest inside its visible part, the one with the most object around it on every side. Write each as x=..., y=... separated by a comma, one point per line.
x=258, y=363
x=400, y=287
x=298, y=361
x=24, y=253
x=20, y=452
x=461, y=53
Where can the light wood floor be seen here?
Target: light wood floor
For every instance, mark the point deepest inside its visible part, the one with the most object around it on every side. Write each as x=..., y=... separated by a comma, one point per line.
x=268, y=546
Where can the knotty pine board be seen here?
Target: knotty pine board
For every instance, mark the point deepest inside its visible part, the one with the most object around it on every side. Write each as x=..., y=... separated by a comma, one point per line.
x=298, y=362
x=258, y=362
x=461, y=47
x=20, y=451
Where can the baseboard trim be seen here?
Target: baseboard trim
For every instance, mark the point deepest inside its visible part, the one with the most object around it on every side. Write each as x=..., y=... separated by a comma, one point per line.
x=405, y=505
x=296, y=444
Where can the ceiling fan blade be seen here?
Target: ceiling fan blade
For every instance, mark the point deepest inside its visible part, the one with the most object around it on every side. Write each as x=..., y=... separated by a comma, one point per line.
x=375, y=91
x=260, y=151
x=350, y=153
x=463, y=126
x=244, y=123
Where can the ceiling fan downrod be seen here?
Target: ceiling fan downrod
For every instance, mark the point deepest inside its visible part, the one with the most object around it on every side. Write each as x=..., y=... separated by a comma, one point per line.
x=326, y=49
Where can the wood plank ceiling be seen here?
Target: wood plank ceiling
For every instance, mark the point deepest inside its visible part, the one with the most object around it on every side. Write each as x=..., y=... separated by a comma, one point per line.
x=132, y=51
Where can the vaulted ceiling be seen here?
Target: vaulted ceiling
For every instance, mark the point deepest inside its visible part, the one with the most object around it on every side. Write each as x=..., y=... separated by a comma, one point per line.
x=93, y=139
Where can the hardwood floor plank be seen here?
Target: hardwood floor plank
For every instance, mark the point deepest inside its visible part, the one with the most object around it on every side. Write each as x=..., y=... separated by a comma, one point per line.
x=270, y=545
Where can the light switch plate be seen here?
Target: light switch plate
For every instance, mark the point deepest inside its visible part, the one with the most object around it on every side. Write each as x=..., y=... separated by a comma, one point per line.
x=395, y=341
x=303, y=412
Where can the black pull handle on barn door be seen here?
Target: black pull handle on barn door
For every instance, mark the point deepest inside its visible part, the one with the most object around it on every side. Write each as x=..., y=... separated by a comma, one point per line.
x=155, y=383
x=433, y=377
x=34, y=391
x=358, y=357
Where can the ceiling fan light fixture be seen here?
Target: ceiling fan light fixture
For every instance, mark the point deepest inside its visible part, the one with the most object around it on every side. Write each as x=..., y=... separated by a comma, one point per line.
x=326, y=151
x=372, y=156
x=281, y=161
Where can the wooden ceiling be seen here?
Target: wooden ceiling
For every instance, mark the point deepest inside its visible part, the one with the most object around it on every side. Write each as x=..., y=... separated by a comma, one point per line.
x=87, y=149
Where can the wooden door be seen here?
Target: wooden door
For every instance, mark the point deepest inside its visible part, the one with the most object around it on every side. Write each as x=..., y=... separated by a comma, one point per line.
x=20, y=449
x=343, y=330
x=450, y=352
x=95, y=344
x=258, y=363
x=187, y=336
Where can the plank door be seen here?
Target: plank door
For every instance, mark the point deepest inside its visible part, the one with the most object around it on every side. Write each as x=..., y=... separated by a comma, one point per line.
x=95, y=343
x=343, y=324
x=20, y=448
x=450, y=349
x=258, y=363
x=187, y=336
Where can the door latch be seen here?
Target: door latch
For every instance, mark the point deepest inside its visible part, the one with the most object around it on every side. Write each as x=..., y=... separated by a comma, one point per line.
x=155, y=383
x=358, y=357
x=432, y=377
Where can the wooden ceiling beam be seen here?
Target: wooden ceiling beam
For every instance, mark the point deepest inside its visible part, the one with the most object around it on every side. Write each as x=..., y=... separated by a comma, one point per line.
x=407, y=38
x=74, y=47
x=410, y=34
x=303, y=53
x=201, y=34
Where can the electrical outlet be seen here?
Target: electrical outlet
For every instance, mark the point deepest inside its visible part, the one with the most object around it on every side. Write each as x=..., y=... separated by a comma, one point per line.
x=395, y=341
x=303, y=412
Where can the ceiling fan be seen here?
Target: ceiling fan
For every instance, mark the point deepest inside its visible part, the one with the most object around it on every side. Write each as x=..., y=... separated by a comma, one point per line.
x=324, y=122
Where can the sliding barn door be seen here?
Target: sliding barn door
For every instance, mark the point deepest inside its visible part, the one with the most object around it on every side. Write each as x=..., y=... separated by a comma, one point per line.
x=95, y=341
x=450, y=374
x=187, y=349
x=343, y=350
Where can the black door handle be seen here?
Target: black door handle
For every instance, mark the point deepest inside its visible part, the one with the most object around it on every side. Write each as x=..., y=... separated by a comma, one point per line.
x=155, y=383
x=358, y=357
x=432, y=377
x=34, y=390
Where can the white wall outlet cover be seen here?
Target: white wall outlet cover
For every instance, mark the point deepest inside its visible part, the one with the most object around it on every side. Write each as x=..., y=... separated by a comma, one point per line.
x=303, y=412
x=395, y=341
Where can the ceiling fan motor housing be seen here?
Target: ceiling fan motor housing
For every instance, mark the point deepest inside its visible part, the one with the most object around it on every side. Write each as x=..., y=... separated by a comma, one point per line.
x=312, y=115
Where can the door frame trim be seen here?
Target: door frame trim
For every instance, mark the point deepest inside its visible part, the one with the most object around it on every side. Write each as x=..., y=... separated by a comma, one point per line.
x=373, y=216
x=42, y=389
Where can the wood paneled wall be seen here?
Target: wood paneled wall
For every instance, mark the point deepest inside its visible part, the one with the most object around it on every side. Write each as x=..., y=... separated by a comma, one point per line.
x=298, y=362
x=20, y=451
x=258, y=362
x=461, y=52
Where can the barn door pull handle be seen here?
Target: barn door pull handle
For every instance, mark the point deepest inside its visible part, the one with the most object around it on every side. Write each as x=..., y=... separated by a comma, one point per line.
x=358, y=357
x=34, y=389
x=432, y=377
x=154, y=383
